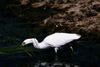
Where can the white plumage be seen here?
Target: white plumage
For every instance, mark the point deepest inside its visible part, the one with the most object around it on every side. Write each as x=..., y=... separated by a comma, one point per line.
x=54, y=40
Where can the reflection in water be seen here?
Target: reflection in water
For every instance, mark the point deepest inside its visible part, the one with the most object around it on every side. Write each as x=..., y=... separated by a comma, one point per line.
x=27, y=63
x=84, y=56
x=45, y=58
x=55, y=64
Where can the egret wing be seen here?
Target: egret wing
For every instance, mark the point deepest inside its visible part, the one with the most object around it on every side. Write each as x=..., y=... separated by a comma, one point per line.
x=59, y=39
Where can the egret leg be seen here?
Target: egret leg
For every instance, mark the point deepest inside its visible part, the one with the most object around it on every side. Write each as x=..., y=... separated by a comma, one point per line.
x=72, y=52
x=56, y=49
x=56, y=53
x=71, y=48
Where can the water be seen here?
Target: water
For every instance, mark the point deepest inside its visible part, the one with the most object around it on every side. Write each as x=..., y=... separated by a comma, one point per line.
x=84, y=56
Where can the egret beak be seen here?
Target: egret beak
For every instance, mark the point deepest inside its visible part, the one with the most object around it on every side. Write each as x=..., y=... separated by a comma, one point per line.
x=23, y=44
x=20, y=45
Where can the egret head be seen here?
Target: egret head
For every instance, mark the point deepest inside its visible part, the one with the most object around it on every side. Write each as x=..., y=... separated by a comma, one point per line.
x=27, y=41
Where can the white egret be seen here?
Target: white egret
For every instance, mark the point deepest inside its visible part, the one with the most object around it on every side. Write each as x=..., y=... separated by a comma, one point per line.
x=54, y=40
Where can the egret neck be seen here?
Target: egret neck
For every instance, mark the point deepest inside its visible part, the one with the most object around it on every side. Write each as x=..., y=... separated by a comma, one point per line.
x=41, y=45
x=35, y=43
